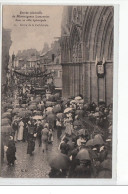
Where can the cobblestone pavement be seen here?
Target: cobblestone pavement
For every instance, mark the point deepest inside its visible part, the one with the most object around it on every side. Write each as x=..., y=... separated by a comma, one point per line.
x=26, y=166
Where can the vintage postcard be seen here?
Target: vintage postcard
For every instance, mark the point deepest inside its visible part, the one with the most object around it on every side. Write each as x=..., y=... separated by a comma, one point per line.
x=57, y=91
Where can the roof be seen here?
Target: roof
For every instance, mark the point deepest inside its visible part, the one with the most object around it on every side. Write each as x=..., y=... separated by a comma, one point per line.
x=20, y=59
x=43, y=54
x=57, y=61
x=33, y=58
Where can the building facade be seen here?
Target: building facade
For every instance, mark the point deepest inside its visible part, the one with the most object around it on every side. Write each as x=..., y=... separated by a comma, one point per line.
x=6, y=44
x=56, y=69
x=87, y=52
x=50, y=61
x=33, y=63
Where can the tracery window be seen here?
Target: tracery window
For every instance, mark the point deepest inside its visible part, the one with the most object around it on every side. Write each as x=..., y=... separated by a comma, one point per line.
x=76, y=48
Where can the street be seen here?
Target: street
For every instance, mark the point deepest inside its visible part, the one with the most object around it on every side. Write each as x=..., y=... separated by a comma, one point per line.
x=27, y=166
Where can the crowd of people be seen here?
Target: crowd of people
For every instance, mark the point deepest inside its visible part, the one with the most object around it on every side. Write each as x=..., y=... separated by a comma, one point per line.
x=87, y=141
x=84, y=131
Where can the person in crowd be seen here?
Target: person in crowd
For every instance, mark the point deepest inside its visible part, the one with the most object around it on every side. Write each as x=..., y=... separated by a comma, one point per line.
x=31, y=129
x=59, y=127
x=11, y=151
x=72, y=145
x=31, y=144
x=73, y=162
x=39, y=129
x=95, y=160
x=83, y=170
x=103, y=153
x=52, y=123
x=15, y=129
x=64, y=146
x=77, y=123
x=20, y=130
x=44, y=137
x=69, y=127
x=57, y=173
x=25, y=132
x=50, y=136
x=80, y=140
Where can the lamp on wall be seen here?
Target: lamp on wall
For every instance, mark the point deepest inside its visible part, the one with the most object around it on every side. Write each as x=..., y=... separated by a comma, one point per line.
x=100, y=69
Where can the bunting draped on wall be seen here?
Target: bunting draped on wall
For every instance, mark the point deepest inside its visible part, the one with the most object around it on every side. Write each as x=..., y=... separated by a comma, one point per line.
x=42, y=74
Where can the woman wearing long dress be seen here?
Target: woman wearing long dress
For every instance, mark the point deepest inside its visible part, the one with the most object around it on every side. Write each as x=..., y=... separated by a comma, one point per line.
x=15, y=129
x=20, y=131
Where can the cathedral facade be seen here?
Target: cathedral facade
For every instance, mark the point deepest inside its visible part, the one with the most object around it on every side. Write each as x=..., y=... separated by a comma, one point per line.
x=87, y=52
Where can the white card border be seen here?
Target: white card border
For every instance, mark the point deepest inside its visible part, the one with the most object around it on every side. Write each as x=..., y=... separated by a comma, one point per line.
x=49, y=181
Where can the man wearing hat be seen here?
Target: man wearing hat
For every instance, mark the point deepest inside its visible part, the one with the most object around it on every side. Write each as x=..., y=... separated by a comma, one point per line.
x=64, y=147
x=11, y=150
x=83, y=144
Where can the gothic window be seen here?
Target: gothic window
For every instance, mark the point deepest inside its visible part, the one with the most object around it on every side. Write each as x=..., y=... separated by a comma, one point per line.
x=76, y=48
x=74, y=14
x=78, y=14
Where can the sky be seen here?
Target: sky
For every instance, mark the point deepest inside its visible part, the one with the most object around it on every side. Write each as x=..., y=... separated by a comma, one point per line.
x=26, y=37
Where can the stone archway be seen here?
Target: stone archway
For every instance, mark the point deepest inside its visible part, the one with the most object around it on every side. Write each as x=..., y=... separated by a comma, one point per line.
x=97, y=38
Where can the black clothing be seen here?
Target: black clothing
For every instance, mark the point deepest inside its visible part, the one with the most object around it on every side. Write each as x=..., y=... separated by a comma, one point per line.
x=64, y=147
x=31, y=144
x=39, y=129
x=11, y=152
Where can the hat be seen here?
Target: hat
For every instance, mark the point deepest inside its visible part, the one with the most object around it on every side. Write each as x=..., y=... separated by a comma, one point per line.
x=108, y=140
x=76, y=116
x=66, y=139
x=11, y=138
x=46, y=125
x=94, y=149
x=101, y=148
x=83, y=141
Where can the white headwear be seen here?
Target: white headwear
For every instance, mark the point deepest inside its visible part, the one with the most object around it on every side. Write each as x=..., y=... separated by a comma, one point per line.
x=11, y=138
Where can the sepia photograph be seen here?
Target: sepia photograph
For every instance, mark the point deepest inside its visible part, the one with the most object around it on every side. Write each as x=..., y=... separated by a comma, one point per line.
x=57, y=91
